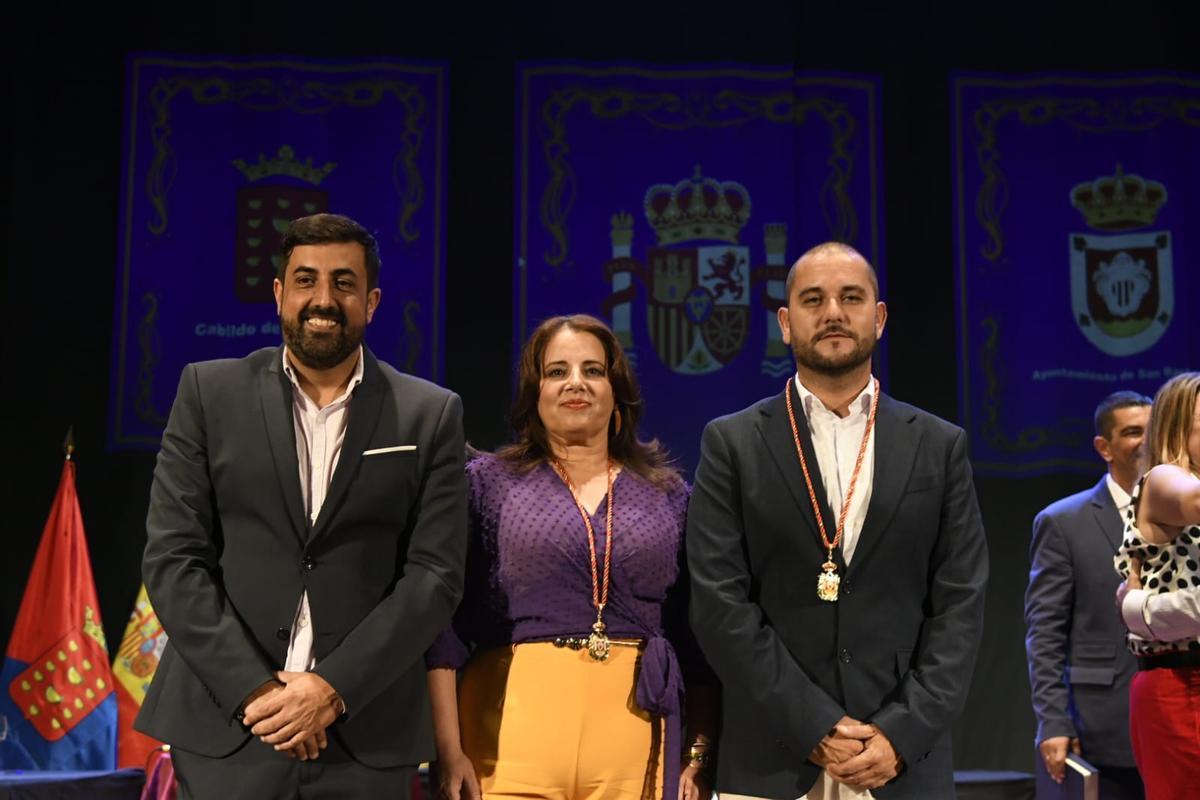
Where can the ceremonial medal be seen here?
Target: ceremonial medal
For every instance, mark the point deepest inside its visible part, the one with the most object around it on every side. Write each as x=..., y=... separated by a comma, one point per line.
x=598, y=644
x=828, y=580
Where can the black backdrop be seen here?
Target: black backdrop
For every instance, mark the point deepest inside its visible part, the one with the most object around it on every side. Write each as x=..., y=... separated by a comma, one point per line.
x=64, y=105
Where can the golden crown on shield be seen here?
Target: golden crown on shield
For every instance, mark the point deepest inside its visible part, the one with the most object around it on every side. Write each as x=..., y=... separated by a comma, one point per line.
x=697, y=208
x=1119, y=202
x=285, y=164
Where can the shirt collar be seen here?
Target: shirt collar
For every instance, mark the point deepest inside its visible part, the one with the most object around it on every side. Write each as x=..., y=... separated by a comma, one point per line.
x=1120, y=497
x=355, y=378
x=811, y=402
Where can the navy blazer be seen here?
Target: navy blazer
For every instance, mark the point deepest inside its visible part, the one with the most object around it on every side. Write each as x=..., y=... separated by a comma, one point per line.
x=1079, y=666
x=898, y=647
x=230, y=550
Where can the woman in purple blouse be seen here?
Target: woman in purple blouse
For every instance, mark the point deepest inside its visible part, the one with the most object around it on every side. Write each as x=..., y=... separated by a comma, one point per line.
x=571, y=636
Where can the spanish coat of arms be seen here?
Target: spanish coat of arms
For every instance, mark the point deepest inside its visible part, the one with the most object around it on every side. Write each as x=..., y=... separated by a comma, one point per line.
x=703, y=296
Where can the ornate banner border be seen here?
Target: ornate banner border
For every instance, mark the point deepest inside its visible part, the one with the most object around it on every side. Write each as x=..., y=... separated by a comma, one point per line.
x=977, y=138
x=316, y=97
x=736, y=107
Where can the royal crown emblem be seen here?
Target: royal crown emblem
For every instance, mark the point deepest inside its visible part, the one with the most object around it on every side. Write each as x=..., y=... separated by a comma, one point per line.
x=696, y=209
x=703, y=293
x=1122, y=287
x=284, y=163
x=1119, y=202
x=265, y=209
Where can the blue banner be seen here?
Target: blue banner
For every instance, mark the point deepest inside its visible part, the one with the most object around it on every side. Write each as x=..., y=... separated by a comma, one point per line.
x=219, y=155
x=1076, y=200
x=670, y=202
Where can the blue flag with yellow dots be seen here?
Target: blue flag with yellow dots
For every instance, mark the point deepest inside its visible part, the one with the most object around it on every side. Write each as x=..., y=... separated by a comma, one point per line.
x=56, y=688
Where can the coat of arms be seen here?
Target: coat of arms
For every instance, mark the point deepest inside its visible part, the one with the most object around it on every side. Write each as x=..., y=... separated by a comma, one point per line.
x=141, y=648
x=66, y=682
x=264, y=212
x=1122, y=290
x=703, y=296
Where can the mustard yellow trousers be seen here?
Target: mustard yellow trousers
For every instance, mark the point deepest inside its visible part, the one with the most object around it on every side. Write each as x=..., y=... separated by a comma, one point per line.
x=540, y=721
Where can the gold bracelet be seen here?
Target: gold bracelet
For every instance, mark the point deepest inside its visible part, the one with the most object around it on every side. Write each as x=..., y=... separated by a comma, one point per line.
x=697, y=754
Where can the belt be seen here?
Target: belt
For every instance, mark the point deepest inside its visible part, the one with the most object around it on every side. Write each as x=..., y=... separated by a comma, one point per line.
x=580, y=642
x=1170, y=659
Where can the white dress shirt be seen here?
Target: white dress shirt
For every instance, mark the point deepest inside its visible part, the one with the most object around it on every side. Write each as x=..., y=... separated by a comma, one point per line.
x=319, y=436
x=836, y=441
x=1120, y=497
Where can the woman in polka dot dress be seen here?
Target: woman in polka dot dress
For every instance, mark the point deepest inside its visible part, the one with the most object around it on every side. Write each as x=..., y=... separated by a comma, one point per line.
x=1160, y=600
x=571, y=646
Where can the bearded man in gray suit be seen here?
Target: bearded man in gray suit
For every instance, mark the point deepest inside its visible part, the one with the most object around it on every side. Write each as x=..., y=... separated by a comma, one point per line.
x=305, y=545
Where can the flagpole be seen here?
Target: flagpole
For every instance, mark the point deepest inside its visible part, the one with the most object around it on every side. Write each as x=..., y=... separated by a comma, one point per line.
x=58, y=693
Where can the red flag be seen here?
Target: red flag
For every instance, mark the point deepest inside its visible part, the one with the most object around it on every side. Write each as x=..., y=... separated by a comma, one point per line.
x=134, y=666
x=56, y=688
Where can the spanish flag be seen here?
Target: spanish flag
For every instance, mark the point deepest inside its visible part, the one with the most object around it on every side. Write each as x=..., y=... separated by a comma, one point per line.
x=134, y=666
x=56, y=688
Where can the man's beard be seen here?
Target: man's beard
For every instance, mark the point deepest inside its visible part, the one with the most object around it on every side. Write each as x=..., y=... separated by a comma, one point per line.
x=837, y=365
x=321, y=350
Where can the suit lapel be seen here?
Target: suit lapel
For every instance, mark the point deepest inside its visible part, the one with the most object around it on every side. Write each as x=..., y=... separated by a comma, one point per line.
x=364, y=416
x=776, y=432
x=1108, y=519
x=275, y=393
x=896, y=441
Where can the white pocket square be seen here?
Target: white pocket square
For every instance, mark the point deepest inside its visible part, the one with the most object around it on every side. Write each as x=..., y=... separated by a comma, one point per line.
x=400, y=448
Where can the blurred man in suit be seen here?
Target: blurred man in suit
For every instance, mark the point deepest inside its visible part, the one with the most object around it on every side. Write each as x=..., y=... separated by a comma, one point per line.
x=1079, y=667
x=306, y=540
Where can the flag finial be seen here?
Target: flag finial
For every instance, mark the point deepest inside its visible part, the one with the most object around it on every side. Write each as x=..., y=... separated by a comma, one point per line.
x=69, y=442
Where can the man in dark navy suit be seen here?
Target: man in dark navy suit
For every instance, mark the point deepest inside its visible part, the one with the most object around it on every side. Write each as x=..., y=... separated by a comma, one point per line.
x=838, y=565
x=1079, y=667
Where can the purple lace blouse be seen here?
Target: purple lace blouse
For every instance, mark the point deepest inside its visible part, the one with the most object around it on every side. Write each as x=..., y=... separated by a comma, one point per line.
x=528, y=572
x=529, y=578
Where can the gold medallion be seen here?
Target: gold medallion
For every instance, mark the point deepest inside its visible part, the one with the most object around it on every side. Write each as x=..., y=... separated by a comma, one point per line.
x=598, y=644
x=828, y=582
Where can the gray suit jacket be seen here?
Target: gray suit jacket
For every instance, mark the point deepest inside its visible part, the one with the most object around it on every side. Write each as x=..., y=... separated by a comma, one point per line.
x=1079, y=667
x=896, y=649
x=230, y=551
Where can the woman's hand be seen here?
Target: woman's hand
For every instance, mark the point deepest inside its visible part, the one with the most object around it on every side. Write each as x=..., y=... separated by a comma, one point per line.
x=1135, y=573
x=694, y=783
x=453, y=778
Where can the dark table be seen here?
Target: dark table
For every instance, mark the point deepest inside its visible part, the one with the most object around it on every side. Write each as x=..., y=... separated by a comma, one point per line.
x=121, y=784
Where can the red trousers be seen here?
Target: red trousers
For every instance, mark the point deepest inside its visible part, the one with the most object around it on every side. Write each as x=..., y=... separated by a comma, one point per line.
x=1164, y=724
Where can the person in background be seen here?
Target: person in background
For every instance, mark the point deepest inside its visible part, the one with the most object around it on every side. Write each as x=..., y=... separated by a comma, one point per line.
x=1079, y=667
x=1160, y=599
